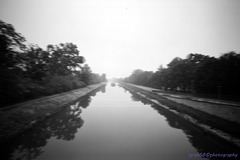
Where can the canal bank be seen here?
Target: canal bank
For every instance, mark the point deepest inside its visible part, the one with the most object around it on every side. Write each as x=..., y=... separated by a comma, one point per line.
x=20, y=117
x=113, y=123
x=213, y=117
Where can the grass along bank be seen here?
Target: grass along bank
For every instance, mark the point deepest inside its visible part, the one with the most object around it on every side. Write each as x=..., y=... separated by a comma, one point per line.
x=18, y=118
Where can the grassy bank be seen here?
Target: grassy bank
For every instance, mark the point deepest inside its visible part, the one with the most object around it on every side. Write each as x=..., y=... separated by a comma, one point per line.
x=18, y=118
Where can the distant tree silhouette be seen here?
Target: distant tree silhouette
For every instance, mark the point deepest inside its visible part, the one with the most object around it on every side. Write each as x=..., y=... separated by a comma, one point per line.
x=196, y=73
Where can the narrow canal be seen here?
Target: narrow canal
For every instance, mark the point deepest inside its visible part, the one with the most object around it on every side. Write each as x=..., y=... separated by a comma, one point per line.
x=111, y=124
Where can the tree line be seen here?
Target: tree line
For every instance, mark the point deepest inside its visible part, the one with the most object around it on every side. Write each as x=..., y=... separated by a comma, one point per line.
x=28, y=71
x=196, y=73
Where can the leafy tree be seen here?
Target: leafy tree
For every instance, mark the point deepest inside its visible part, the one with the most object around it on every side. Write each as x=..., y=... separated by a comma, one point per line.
x=103, y=77
x=182, y=73
x=11, y=59
x=192, y=64
x=86, y=74
x=176, y=73
x=11, y=43
x=160, y=78
x=229, y=65
x=37, y=62
x=207, y=76
x=64, y=59
x=140, y=77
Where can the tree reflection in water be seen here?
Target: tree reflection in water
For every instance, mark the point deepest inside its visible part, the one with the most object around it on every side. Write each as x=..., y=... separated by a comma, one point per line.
x=63, y=125
x=202, y=141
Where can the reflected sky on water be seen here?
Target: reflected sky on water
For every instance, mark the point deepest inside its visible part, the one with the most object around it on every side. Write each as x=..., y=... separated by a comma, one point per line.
x=112, y=123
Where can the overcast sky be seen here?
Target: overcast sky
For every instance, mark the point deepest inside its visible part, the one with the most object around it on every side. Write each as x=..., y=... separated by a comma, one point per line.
x=118, y=36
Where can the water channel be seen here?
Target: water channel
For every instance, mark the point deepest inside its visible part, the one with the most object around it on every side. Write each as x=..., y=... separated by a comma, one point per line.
x=112, y=124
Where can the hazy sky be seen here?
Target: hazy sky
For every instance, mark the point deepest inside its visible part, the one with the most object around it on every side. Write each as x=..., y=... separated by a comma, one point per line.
x=118, y=36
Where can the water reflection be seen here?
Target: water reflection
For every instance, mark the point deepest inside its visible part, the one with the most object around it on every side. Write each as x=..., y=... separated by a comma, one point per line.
x=202, y=141
x=113, y=84
x=102, y=88
x=115, y=127
x=63, y=125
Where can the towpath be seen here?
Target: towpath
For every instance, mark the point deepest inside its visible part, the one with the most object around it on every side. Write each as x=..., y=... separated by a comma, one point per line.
x=222, y=109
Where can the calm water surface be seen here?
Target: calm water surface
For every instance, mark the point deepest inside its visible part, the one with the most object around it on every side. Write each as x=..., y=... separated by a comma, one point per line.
x=111, y=124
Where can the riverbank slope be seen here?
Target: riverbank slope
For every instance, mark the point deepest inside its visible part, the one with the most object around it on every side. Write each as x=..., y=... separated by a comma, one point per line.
x=215, y=117
x=20, y=117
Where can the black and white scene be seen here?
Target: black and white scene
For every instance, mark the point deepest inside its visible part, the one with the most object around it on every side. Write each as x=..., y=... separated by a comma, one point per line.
x=119, y=79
